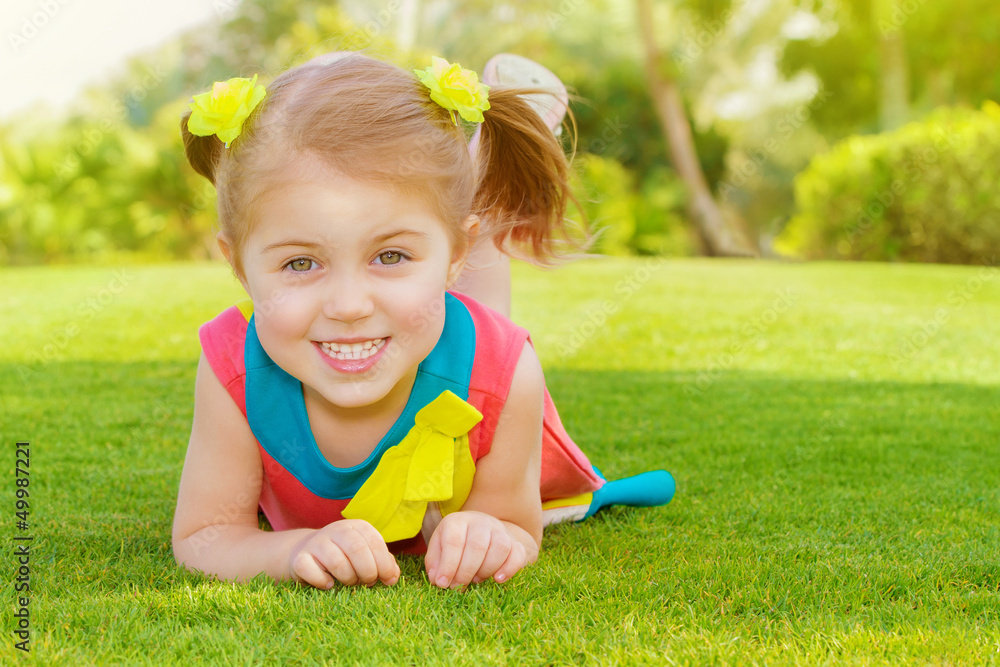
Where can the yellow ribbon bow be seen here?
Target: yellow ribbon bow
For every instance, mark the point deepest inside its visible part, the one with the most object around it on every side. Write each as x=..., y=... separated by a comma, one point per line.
x=432, y=463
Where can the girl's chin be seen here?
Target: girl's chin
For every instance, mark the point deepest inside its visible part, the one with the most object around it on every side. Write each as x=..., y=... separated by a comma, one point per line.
x=365, y=391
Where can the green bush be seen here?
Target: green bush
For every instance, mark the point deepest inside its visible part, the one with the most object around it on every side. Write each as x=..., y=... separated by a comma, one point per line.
x=95, y=188
x=924, y=193
x=629, y=218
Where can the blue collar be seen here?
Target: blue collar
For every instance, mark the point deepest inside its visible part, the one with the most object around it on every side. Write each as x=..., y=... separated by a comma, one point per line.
x=276, y=409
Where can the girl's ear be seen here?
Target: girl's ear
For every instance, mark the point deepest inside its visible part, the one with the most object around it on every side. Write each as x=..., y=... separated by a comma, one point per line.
x=461, y=251
x=226, y=246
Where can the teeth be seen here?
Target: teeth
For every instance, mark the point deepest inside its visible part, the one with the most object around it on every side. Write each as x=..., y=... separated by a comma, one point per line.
x=353, y=351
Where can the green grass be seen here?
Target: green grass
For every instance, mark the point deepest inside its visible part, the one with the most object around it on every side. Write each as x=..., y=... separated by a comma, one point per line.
x=837, y=469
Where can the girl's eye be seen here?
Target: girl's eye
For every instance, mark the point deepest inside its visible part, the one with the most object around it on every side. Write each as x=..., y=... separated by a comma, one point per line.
x=300, y=265
x=390, y=257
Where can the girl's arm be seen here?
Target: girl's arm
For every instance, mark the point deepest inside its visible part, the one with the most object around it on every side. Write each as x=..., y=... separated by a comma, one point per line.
x=215, y=524
x=499, y=529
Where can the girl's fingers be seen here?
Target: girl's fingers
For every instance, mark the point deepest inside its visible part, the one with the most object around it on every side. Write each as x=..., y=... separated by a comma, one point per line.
x=450, y=536
x=501, y=544
x=350, y=552
x=359, y=554
x=308, y=570
x=386, y=567
x=432, y=558
x=516, y=559
x=337, y=562
x=478, y=544
x=319, y=560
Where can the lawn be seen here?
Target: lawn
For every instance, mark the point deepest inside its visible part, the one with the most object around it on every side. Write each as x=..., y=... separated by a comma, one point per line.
x=833, y=429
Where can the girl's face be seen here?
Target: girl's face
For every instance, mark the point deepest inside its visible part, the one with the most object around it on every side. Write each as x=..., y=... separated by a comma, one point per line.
x=348, y=282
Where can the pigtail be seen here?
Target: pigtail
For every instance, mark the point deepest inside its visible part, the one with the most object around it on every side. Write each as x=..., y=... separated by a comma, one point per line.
x=523, y=186
x=202, y=152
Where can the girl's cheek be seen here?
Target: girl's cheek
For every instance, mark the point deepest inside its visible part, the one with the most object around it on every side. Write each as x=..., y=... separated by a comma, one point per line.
x=425, y=309
x=268, y=301
x=286, y=309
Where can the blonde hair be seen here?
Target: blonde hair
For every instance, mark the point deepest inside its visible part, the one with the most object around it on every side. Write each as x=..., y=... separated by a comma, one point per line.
x=375, y=122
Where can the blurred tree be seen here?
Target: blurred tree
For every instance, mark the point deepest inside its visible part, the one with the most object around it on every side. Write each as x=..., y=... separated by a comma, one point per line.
x=717, y=234
x=728, y=58
x=894, y=101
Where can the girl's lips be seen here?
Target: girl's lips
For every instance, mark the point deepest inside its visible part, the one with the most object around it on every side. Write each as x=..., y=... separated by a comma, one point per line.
x=352, y=366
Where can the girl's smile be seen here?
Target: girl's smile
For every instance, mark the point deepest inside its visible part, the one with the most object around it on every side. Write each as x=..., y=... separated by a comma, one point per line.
x=353, y=357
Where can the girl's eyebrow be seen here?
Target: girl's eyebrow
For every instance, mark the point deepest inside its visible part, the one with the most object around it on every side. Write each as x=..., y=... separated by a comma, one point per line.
x=289, y=242
x=421, y=236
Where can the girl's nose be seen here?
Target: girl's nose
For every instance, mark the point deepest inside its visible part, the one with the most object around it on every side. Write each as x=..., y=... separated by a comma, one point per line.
x=349, y=299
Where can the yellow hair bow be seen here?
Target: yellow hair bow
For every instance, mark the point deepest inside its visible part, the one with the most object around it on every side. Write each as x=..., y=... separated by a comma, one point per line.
x=456, y=89
x=223, y=110
x=432, y=463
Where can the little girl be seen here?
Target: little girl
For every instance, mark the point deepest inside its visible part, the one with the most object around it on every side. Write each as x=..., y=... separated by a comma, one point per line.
x=363, y=407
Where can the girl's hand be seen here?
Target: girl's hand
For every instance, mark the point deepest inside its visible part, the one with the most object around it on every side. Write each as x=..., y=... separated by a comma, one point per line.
x=470, y=547
x=350, y=551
